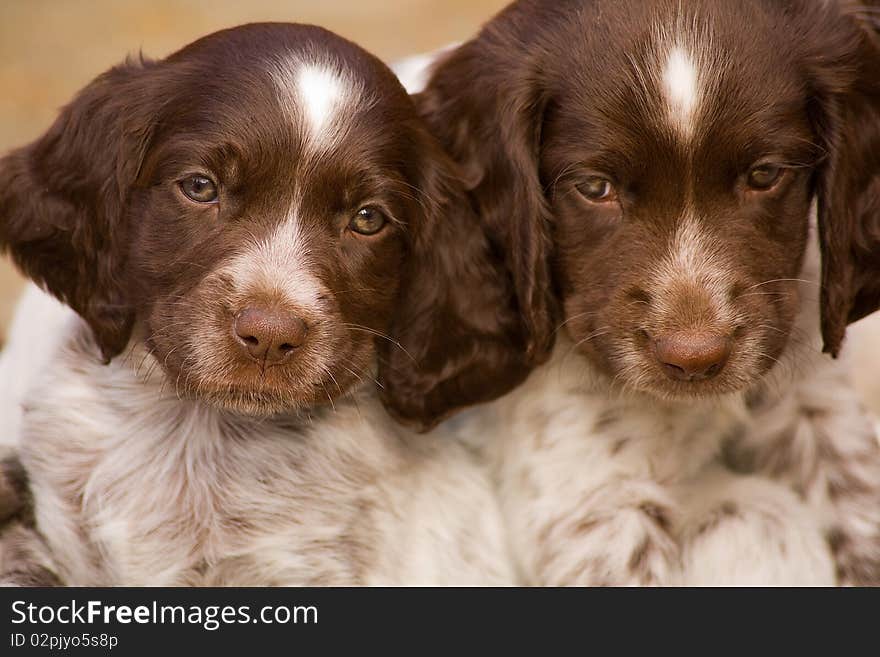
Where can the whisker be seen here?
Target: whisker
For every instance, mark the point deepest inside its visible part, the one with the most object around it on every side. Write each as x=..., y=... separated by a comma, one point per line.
x=595, y=334
x=781, y=280
x=574, y=317
x=379, y=334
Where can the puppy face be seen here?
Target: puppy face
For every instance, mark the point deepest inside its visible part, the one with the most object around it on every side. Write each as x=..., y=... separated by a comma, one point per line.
x=670, y=159
x=266, y=212
x=268, y=225
x=681, y=192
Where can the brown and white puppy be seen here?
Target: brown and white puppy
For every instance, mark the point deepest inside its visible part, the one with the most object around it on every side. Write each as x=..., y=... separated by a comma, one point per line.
x=253, y=229
x=649, y=170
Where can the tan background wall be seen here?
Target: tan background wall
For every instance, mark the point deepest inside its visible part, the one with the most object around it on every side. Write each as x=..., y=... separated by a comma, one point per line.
x=51, y=48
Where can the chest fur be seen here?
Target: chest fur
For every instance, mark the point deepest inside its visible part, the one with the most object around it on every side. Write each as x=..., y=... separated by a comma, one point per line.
x=140, y=488
x=558, y=419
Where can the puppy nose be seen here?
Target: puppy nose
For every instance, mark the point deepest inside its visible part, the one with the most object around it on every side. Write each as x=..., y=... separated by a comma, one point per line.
x=269, y=335
x=691, y=355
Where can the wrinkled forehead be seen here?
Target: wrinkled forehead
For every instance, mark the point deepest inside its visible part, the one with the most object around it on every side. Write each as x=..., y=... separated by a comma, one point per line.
x=686, y=74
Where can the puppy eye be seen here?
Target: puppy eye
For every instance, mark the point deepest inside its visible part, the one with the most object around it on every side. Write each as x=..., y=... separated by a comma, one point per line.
x=764, y=177
x=597, y=190
x=199, y=188
x=367, y=221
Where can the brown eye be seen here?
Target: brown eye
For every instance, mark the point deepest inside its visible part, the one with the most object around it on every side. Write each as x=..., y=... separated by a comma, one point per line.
x=597, y=190
x=200, y=189
x=367, y=221
x=764, y=177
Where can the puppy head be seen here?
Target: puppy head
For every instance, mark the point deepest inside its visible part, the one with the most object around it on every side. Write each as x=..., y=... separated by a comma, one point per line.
x=261, y=209
x=677, y=155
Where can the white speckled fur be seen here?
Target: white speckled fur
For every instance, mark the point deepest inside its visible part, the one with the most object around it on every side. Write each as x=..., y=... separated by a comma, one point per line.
x=136, y=487
x=39, y=319
x=604, y=488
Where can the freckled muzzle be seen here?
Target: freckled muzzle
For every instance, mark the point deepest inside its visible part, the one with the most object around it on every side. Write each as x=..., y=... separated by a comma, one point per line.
x=256, y=345
x=702, y=334
x=694, y=323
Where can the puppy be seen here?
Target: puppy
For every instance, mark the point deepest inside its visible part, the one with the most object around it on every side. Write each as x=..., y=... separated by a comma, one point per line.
x=251, y=232
x=650, y=170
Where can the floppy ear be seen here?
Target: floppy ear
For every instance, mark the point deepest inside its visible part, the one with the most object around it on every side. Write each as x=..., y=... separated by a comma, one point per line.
x=487, y=109
x=62, y=200
x=849, y=195
x=458, y=336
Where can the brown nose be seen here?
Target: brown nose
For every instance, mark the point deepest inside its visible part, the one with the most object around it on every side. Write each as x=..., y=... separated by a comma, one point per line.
x=269, y=335
x=692, y=355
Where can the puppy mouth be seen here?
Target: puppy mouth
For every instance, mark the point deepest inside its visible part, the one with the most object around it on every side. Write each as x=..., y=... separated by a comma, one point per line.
x=245, y=386
x=252, y=403
x=666, y=388
x=256, y=398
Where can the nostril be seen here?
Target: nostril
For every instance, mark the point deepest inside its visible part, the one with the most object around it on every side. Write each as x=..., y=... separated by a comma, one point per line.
x=269, y=335
x=692, y=355
x=675, y=371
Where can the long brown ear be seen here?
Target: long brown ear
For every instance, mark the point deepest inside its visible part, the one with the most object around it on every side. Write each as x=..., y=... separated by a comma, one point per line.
x=849, y=190
x=458, y=337
x=486, y=106
x=62, y=199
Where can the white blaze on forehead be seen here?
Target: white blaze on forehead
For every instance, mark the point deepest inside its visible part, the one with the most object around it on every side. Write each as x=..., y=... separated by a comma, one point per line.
x=321, y=91
x=280, y=266
x=317, y=95
x=681, y=86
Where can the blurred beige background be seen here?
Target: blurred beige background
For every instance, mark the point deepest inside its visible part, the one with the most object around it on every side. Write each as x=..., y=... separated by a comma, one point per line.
x=51, y=48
